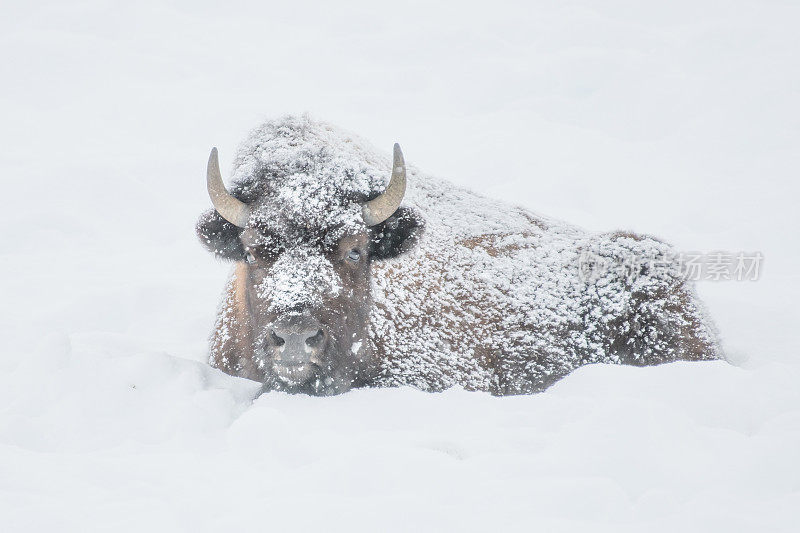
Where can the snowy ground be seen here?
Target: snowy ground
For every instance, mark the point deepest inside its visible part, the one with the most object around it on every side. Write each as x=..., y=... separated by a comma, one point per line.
x=679, y=119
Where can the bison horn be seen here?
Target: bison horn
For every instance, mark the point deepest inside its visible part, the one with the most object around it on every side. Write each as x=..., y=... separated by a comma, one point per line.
x=232, y=209
x=379, y=209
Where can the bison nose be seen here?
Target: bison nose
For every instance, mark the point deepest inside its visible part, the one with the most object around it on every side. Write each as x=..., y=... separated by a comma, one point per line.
x=296, y=345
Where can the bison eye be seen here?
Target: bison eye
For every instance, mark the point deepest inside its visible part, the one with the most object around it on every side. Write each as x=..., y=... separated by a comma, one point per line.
x=250, y=258
x=353, y=255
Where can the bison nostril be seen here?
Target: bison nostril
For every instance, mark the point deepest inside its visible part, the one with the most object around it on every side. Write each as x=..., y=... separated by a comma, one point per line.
x=315, y=340
x=276, y=339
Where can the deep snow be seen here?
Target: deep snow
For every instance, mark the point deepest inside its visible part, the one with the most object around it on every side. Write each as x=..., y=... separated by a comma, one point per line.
x=678, y=120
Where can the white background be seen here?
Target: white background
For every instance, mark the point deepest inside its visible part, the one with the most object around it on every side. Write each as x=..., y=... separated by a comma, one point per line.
x=677, y=119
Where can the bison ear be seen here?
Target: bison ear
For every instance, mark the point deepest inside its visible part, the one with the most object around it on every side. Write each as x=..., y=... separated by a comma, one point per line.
x=220, y=236
x=396, y=235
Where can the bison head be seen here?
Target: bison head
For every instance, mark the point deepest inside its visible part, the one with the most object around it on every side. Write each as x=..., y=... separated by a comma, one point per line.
x=306, y=249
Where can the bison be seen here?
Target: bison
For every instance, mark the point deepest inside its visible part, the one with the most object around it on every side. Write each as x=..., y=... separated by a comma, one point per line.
x=340, y=280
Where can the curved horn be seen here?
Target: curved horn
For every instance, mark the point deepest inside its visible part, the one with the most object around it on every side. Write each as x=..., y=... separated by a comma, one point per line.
x=379, y=209
x=232, y=209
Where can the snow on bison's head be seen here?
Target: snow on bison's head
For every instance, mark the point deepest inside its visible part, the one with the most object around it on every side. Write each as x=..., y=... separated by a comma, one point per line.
x=308, y=212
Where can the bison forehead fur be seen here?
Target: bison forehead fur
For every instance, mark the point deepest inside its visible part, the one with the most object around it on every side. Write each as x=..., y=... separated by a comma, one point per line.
x=488, y=297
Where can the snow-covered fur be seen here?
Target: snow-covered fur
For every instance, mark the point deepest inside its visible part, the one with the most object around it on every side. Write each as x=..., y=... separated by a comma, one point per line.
x=488, y=297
